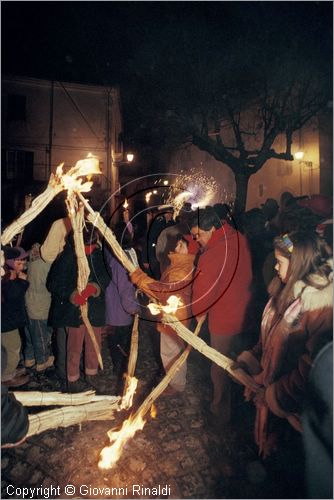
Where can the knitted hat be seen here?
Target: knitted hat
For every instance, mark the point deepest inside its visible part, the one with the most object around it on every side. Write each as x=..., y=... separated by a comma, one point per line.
x=12, y=257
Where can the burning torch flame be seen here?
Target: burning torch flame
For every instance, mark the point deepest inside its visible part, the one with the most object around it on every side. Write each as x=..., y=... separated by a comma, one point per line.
x=88, y=166
x=148, y=196
x=127, y=399
x=173, y=303
x=110, y=454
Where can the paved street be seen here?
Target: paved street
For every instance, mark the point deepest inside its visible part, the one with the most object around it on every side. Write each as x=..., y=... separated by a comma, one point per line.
x=182, y=449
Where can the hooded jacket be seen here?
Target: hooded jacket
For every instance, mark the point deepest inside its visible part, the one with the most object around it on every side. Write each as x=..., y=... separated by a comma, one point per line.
x=222, y=281
x=282, y=359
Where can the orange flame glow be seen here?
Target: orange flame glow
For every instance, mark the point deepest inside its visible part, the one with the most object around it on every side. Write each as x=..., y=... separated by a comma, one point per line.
x=70, y=180
x=153, y=411
x=130, y=390
x=110, y=454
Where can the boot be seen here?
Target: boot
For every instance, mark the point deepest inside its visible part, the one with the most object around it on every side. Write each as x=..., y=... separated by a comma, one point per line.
x=96, y=383
x=78, y=386
x=16, y=381
x=41, y=367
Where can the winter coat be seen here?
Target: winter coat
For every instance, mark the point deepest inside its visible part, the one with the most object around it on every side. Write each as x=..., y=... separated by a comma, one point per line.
x=175, y=280
x=222, y=282
x=282, y=359
x=13, y=310
x=120, y=297
x=38, y=299
x=62, y=282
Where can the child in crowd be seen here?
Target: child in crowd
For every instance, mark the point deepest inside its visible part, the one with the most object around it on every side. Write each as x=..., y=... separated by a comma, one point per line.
x=121, y=305
x=37, y=350
x=295, y=320
x=13, y=314
x=175, y=280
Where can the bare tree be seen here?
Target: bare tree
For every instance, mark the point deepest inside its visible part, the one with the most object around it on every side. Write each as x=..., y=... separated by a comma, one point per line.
x=233, y=94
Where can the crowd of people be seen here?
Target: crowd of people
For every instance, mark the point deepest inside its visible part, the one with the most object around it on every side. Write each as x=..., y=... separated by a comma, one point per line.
x=263, y=280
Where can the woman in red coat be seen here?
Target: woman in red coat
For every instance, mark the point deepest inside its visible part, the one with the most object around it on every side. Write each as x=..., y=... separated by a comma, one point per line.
x=221, y=289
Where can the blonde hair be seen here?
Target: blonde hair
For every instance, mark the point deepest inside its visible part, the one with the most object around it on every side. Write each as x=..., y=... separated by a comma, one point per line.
x=308, y=256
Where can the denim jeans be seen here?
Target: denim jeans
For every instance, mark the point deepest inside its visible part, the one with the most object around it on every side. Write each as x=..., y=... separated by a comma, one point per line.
x=38, y=340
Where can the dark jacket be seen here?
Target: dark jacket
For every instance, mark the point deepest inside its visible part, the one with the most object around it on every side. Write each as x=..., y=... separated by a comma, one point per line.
x=62, y=281
x=13, y=310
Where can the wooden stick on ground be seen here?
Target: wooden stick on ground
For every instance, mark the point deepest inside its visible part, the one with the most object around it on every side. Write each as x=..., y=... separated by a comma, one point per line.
x=158, y=390
x=70, y=415
x=37, y=398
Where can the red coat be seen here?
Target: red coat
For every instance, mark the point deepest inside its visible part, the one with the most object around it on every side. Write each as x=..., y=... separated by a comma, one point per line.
x=221, y=286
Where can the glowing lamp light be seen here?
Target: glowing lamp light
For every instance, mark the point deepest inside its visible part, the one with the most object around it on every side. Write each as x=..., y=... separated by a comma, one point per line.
x=165, y=183
x=130, y=157
x=299, y=155
x=155, y=192
x=126, y=204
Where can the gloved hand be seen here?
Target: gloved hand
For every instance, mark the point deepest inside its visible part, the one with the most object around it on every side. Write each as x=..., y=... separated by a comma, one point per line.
x=80, y=299
x=77, y=299
x=92, y=290
x=137, y=275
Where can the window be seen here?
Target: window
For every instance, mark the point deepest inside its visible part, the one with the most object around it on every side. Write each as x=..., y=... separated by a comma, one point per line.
x=16, y=107
x=17, y=165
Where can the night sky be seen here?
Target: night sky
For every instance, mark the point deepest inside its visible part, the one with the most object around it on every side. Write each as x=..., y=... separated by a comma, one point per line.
x=96, y=42
x=138, y=45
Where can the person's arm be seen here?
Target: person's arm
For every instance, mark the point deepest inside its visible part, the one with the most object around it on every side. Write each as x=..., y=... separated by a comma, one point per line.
x=126, y=290
x=54, y=242
x=287, y=393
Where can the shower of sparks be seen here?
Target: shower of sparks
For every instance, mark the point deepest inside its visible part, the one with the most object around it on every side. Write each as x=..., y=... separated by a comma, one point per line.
x=195, y=188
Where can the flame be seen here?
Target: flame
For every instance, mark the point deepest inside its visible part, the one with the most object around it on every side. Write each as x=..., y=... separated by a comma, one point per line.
x=126, y=204
x=153, y=411
x=87, y=167
x=130, y=390
x=148, y=196
x=173, y=303
x=110, y=454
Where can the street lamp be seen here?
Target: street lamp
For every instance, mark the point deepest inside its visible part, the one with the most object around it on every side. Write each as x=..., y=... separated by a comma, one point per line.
x=130, y=157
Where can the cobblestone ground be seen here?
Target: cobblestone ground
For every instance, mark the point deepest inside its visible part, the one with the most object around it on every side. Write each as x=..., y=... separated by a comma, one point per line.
x=182, y=448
